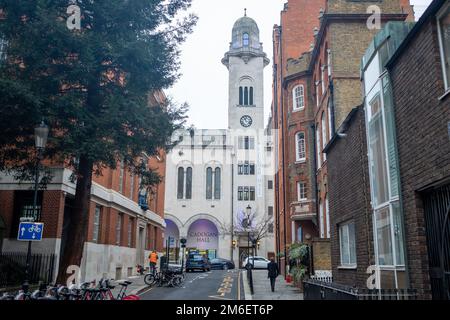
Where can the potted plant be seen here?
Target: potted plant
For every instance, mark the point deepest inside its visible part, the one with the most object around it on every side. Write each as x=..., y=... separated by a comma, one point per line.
x=298, y=263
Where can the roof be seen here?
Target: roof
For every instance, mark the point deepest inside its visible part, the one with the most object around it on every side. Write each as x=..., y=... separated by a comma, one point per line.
x=246, y=23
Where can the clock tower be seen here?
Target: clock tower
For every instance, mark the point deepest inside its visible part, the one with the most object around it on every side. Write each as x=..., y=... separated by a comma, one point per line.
x=246, y=61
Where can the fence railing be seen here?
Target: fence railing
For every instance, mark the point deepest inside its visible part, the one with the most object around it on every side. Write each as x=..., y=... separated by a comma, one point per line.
x=319, y=290
x=13, y=264
x=250, y=279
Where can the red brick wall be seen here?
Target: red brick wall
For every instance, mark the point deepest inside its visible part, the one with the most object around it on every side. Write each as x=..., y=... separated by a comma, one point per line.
x=423, y=141
x=6, y=211
x=53, y=213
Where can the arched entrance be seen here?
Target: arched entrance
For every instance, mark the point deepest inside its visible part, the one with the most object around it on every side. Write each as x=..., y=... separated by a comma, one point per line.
x=173, y=233
x=203, y=237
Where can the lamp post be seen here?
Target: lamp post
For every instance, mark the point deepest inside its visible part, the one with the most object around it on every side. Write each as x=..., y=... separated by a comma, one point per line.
x=248, y=226
x=40, y=136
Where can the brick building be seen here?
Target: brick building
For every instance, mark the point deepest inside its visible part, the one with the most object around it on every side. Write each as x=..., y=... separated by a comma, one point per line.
x=320, y=54
x=124, y=221
x=422, y=121
x=295, y=207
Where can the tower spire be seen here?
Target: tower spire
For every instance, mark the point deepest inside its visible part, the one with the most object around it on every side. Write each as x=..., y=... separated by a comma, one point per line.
x=245, y=12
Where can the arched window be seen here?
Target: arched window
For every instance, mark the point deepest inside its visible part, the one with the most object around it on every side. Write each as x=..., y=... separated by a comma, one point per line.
x=300, y=154
x=251, y=96
x=245, y=40
x=319, y=162
x=324, y=134
x=246, y=96
x=209, y=179
x=217, y=181
x=299, y=97
x=189, y=183
x=241, y=96
x=180, y=188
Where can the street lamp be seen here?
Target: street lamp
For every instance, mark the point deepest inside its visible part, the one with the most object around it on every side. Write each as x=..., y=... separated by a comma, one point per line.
x=248, y=226
x=40, y=136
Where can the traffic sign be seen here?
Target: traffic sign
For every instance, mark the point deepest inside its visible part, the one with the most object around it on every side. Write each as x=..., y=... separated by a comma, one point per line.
x=30, y=231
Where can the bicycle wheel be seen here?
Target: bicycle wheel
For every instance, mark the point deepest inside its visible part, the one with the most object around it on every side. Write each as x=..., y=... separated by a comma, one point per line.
x=150, y=279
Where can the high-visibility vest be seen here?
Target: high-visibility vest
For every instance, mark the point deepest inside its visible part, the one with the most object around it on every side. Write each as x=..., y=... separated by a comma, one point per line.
x=153, y=257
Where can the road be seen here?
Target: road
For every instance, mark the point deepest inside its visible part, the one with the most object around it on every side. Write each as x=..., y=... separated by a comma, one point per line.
x=213, y=285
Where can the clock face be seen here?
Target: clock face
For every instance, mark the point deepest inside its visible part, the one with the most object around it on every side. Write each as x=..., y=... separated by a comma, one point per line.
x=246, y=121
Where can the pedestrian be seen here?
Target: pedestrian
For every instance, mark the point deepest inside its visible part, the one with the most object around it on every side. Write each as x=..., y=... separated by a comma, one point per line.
x=273, y=272
x=153, y=257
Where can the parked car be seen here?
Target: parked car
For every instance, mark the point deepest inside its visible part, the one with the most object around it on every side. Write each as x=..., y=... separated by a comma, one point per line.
x=221, y=264
x=198, y=262
x=256, y=262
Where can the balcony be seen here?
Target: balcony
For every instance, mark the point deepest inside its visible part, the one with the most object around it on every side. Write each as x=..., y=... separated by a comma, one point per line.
x=303, y=210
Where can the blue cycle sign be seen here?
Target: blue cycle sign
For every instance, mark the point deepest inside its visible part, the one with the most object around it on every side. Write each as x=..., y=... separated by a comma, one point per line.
x=30, y=231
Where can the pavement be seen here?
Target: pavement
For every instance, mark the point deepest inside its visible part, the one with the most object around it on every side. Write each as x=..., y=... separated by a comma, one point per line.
x=212, y=285
x=138, y=285
x=262, y=290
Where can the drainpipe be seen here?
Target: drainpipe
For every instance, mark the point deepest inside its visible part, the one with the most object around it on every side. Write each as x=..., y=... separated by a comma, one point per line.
x=282, y=156
x=232, y=206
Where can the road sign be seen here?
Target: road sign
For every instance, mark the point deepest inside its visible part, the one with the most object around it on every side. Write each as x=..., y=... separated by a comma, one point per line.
x=30, y=231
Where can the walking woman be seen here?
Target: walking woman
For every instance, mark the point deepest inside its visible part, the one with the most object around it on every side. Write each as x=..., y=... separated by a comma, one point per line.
x=273, y=273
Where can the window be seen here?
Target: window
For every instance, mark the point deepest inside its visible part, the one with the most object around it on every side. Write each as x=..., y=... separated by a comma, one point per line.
x=329, y=62
x=247, y=143
x=444, y=41
x=246, y=96
x=97, y=218
x=251, y=96
x=270, y=211
x=241, y=96
x=322, y=78
x=270, y=228
x=122, y=169
x=301, y=191
x=299, y=97
x=327, y=216
x=270, y=184
x=330, y=128
x=2, y=49
x=321, y=220
x=180, y=188
x=240, y=193
x=119, y=229
x=324, y=135
x=316, y=90
x=130, y=231
x=347, y=244
x=245, y=40
x=252, y=193
x=189, y=183
x=300, y=154
x=131, y=186
x=319, y=162
x=246, y=193
x=300, y=234
x=379, y=176
x=209, y=179
x=217, y=181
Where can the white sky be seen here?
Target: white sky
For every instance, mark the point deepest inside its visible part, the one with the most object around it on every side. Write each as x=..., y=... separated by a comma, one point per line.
x=204, y=80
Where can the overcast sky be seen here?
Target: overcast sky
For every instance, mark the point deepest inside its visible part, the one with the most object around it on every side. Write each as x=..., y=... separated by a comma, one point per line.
x=204, y=81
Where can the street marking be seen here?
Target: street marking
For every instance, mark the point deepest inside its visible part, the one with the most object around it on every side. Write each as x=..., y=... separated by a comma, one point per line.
x=219, y=297
x=144, y=292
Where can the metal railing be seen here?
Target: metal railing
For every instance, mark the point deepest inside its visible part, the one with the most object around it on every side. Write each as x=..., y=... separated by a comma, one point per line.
x=12, y=268
x=250, y=279
x=319, y=290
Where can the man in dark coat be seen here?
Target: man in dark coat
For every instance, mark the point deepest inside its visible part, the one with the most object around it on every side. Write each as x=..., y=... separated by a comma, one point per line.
x=273, y=272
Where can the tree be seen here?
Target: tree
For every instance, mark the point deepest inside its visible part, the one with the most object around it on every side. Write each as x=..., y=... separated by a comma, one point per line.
x=91, y=86
x=248, y=223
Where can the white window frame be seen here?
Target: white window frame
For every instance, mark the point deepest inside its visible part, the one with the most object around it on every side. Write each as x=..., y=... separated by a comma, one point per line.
x=344, y=227
x=130, y=232
x=439, y=16
x=119, y=229
x=121, y=176
x=301, y=188
x=322, y=73
x=319, y=160
x=324, y=135
x=97, y=218
x=300, y=155
x=298, y=99
x=327, y=216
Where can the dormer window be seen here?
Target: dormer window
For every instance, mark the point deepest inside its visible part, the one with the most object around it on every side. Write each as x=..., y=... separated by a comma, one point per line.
x=245, y=40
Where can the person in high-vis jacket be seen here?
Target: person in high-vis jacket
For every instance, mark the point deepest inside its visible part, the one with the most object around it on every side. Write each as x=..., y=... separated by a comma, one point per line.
x=153, y=258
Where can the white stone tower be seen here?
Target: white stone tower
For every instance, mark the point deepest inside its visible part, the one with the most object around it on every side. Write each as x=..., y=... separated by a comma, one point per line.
x=246, y=61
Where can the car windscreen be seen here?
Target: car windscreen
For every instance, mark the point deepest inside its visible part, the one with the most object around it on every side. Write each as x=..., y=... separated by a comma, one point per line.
x=196, y=257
